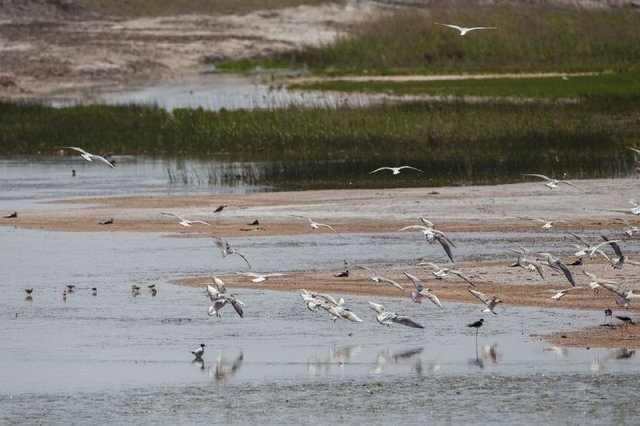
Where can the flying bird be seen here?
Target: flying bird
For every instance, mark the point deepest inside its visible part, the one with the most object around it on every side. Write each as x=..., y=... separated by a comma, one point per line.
x=546, y=224
x=465, y=30
x=619, y=261
x=186, y=222
x=375, y=276
x=315, y=225
x=226, y=249
x=90, y=157
x=623, y=296
x=631, y=229
x=385, y=317
x=219, y=297
x=396, y=170
x=527, y=262
x=558, y=265
x=421, y=291
x=432, y=235
x=559, y=294
x=258, y=278
x=595, y=282
x=591, y=249
x=441, y=272
x=490, y=302
x=552, y=183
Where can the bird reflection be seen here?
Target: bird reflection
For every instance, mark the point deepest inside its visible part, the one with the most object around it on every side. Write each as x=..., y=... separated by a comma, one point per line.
x=490, y=353
x=420, y=369
x=224, y=370
x=28, y=298
x=477, y=362
x=199, y=362
x=337, y=356
x=383, y=357
x=622, y=353
x=561, y=352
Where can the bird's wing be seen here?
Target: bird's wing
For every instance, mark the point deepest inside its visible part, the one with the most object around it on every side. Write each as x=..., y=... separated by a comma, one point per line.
x=451, y=26
x=212, y=292
x=481, y=28
x=416, y=282
x=200, y=222
x=431, y=264
x=239, y=253
x=171, y=214
x=571, y=184
x=410, y=167
x=104, y=160
x=237, y=305
x=446, y=247
x=461, y=275
x=538, y=267
x=414, y=227
x=401, y=319
x=381, y=168
x=483, y=297
x=80, y=150
x=536, y=175
x=427, y=222
x=327, y=226
x=577, y=237
x=222, y=288
x=614, y=246
x=566, y=272
x=614, y=289
x=390, y=281
x=366, y=268
x=590, y=275
x=250, y=274
x=440, y=234
x=221, y=243
x=377, y=307
x=634, y=150
x=432, y=297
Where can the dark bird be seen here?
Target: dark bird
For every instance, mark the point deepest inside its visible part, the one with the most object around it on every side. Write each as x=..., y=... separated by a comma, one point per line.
x=198, y=353
x=107, y=222
x=220, y=208
x=608, y=313
x=12, y=215
x=477, y=326
x=70, y=288
x=254, y=223
x=626, y=320
x=94, y=291
x=28, y=290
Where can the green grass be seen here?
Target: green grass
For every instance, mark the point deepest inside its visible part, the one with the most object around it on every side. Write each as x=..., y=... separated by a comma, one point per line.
x=603, y=85
x=529, y=39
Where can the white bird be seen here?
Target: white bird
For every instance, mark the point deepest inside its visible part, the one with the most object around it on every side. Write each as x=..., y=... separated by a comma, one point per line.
x=465, y=30
x=490, y=302
x=552, y=183
x=185, y=222
x=558, y=265
x=546, y=224
x=631, y=229
x=226, y=249
x=527, y=262
x=198, y=353
x=220, y=298
x=621, y=260
x=624, y=296
x=90, y=157
x=338, y=311
x=636, y=207
x=595, y=282
x=385, y=317
x=421, y=291
x=258, y=278
x=396, y=170
x=315, y=225
x=375, y=276
x=432, y=235
x=441, y=272
x=559, y=294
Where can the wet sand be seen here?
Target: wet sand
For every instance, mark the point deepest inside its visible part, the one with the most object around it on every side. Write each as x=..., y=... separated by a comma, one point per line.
x=473, y=208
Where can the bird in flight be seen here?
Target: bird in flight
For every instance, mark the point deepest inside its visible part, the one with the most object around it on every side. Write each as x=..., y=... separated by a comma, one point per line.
x=375, y=276
x=441, y=272
x=552, y=183
x=395, y=170
x=490, y=302
x=315, y=225
x=432, y=235
x=623, y=296
x=186, y=222
x=89, y=156
x=258, y=278
x=385, y=317
x=226, y=249
x=559, y=266
x=465, y=30
x=421, y=291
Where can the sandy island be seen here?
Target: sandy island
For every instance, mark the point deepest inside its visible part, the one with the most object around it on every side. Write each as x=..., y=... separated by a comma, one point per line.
x=471, y=208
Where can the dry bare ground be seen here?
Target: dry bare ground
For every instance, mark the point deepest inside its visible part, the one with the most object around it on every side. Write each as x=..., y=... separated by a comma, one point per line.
x=473, y=208
x=57, y=50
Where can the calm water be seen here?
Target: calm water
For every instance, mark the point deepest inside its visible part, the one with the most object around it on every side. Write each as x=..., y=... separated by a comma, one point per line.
x=115, y=358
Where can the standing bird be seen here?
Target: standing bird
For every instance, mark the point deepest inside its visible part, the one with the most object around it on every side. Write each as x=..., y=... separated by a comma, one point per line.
x=135, y=290
x=218, y=210
x=490, y=302
x=226, y=249
x=28, y=291
x=465, y=30
x=552, y=183
x=608, y=313
x=421, y=291
x=94, y=291
x=375, y=276
x=90, y=157
x=198, y=353
x=476, y=325
x=11, y=216
x=626, y=320
x=557, y=264
x=396, y=170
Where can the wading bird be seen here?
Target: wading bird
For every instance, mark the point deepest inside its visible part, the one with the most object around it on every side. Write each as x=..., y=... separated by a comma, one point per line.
x=89, y=156
x=465, y=30
x=395, y=170
x=198, y=353
x=11, y=216
x=476, y=325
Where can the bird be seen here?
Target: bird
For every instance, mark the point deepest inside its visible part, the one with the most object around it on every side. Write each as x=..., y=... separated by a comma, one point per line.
x=107, y=222
x=626, y=320
x=11, y=216
x=315, y=225
x=465, y=30
x=28, y=291
x=345, y=272
x=559, y=294
x=396, y=170
x=70, y=288
x=636, y=207
x=64, y=295
x=619, y=261
x=552, y=183
x=528, y=262
x=631, y=229
x=591, y=249
x=219, y=208
x=441, y=272
x=375, y=276
x=476, y=325
x=490, y=302
x=186, y=222
x=623, y=296
x=254, y=223
x=135, y=289
x=198, y=353
x=258, y=278
x=432, y=235
x=94, y=291
x=90, y=157
x=421, y=291
x=226, y=249
x=385, y=317
x=546, y=224
x=558, y=265
x=219, y=296
x=608, y=313
x=595, y=281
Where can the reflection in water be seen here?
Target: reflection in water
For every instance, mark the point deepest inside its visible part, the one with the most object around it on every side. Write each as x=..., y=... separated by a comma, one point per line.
x=199, y=362
x=224, y=370
x=598, y=364
x=383, y=357
x=490, y=353
x=28, y=298
x=561, y=352
x=420, y=369
x=622, y=353
x=337, y=356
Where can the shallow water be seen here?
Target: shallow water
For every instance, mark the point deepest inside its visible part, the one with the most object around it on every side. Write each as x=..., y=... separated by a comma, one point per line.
x=116, y=358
